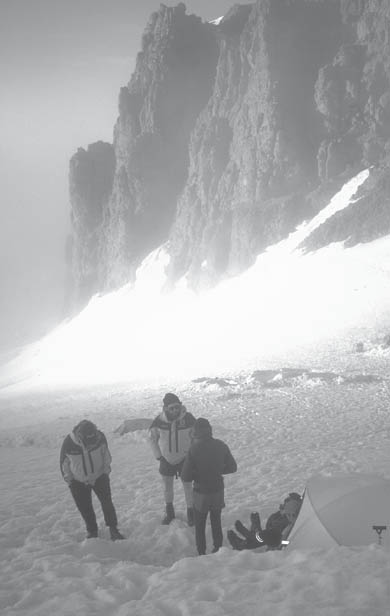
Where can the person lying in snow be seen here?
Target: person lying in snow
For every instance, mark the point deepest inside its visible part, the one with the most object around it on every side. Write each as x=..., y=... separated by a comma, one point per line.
x=85, y=463
x=277, y=529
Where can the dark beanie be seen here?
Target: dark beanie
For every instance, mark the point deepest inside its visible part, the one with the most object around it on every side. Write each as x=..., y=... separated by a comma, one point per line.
x=202, y=428
x=171, y=399
x=86, y=427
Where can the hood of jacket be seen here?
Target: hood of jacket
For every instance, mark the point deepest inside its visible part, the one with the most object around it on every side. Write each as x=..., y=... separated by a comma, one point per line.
x=202, y=429
x=183, y=411
x=81, y=429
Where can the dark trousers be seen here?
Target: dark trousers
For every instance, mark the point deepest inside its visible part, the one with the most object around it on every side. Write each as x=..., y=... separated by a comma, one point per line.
x=200, y=529
x=82, y=494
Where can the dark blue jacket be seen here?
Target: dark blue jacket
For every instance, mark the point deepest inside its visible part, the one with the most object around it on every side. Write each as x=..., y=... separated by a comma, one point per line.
x=207, y=460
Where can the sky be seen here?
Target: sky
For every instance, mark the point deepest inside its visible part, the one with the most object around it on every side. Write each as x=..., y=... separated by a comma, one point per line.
x=62, y=65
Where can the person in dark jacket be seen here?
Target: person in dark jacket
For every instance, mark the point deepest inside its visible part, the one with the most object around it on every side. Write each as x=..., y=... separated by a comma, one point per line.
x=207, y=460
x=85, y=463
x=170, y=437
x=277, y=529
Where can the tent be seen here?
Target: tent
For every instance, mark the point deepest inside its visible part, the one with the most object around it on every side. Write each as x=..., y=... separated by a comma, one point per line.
x=343, y=509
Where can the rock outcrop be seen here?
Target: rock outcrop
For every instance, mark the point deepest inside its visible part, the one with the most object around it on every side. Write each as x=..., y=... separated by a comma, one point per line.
x=229, y=135
x=91, y=176
x=253, y=153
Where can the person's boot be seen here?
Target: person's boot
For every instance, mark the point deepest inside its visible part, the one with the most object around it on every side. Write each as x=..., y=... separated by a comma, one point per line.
x=92, y=534
x=242, y=529
x=235, y=541
x=190, y=516
x=169, y=514
x=255, y=522
x=115, y=534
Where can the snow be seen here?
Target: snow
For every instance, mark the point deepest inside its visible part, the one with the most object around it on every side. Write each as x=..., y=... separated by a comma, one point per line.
x=286, y=301
x=114, y=362
x=278, y=436
x=217, y=21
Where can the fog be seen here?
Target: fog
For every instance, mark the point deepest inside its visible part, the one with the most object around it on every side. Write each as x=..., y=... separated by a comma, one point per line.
x=62, y=65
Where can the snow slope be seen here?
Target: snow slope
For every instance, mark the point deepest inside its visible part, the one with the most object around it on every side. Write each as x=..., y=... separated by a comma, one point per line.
x=286, y=302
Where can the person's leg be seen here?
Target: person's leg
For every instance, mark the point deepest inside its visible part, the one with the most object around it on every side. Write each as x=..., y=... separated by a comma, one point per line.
x=200, y=518
x=243, y=530
x=255, y=522
x=235, y=541
x=82, y=496
x=189, y=496
x=216, y=528
x=167, y=481
x=168, y=496
x=188, y=493
x=102, y=490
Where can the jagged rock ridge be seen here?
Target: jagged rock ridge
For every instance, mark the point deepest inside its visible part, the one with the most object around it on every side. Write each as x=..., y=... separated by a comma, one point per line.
x=230, y=135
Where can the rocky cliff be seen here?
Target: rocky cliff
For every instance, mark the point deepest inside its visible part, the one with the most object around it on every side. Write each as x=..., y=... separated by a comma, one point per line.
x=230, y=135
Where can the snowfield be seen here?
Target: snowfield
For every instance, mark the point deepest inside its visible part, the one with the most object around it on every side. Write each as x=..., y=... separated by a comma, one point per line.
x=279, y=436
x=271, y=359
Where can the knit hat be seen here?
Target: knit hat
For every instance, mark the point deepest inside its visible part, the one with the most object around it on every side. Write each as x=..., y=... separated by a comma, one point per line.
x=293, y=496
x=202, y=428
x=170, y=399
x=87, y=431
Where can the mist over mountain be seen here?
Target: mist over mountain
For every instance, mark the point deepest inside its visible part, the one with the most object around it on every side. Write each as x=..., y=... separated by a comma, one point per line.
x=231, y=134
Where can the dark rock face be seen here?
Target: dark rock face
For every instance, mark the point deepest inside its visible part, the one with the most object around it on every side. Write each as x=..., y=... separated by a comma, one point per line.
x=91, y=175
x=354, y=96
x=158, y=110
x=367, y=220
x=229, y=136
x=253, y=153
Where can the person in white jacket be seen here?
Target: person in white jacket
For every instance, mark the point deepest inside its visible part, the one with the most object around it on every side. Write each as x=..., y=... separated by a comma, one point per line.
x=85, y=463
x=170, y=437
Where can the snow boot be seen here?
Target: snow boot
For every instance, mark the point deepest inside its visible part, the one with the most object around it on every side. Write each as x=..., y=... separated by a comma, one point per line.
x=235, y=541
x=255, y=522
x=169, y=514
x=92, y=534
x=190, y=516
x=242, y=529
x=115, y=534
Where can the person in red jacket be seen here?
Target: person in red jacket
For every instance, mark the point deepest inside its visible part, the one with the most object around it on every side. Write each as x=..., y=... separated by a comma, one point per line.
x=207, y=460
x=85, y=463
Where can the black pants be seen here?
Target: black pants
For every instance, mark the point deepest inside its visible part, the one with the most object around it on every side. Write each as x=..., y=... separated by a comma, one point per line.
x=82, y=494
x=200, y=529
